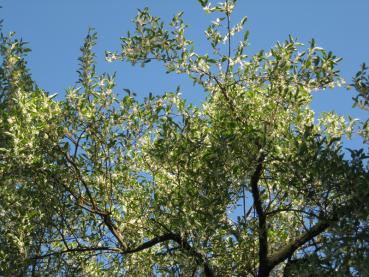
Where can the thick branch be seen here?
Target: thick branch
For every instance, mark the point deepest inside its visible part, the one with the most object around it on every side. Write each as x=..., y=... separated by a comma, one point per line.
x=183, y=244
x=263, y=231
x=150, y=243
x=288, y=250
x=199, y=258
x=114, y=230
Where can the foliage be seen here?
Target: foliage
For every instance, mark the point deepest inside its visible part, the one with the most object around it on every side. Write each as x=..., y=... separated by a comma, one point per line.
x=100, y=183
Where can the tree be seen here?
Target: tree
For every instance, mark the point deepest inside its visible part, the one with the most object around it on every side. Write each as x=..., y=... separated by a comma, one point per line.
x=100, y=183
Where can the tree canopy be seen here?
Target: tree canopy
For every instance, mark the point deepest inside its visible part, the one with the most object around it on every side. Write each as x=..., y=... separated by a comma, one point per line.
x=249, y=183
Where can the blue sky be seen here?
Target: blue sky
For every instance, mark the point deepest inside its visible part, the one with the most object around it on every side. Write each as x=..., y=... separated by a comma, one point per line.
x=55, y=30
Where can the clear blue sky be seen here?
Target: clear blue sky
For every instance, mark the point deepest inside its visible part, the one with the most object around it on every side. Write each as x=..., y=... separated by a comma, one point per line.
x=55, y=30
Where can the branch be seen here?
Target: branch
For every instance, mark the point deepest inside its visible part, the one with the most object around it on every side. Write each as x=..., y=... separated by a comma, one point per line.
x=276, y=211
x=288, y=250
x=263, y=231
x=114, y=230
x=76, y=145
x=80, y=177
x=79, y=249
x=150, y=243
x=229, y=39
x=80, y=200
x=208, y=271
x=264, y=264
x=323, y=224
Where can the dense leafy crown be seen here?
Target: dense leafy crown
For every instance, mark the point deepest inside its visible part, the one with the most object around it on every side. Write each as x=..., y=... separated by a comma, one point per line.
x=250, y=183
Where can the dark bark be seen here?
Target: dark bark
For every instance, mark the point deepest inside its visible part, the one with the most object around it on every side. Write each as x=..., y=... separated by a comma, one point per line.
x=288, y=250
x=264, y=268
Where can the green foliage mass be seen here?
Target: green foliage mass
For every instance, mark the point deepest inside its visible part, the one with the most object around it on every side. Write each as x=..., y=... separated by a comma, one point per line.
x=102, y=184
